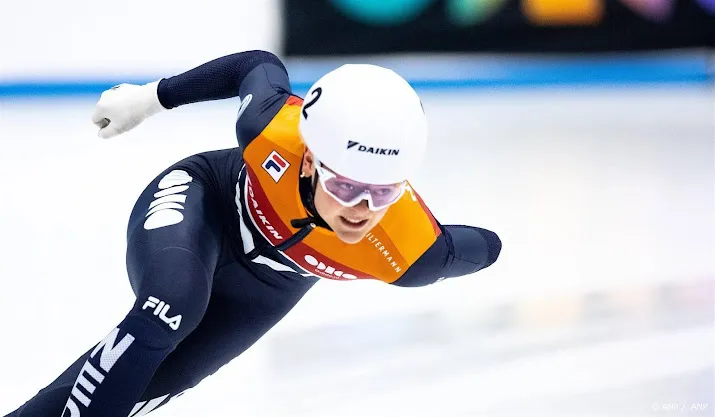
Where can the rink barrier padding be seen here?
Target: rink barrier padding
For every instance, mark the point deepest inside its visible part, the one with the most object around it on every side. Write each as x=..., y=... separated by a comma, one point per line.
x=444, y=73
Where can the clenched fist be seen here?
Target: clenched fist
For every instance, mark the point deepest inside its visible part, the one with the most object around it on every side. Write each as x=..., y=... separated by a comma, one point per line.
x=123, y=107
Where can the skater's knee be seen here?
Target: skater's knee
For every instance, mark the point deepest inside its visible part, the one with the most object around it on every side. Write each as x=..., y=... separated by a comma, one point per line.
x=175, y=291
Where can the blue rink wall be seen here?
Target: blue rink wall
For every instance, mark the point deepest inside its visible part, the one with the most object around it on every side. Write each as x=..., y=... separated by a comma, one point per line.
x=439, y=72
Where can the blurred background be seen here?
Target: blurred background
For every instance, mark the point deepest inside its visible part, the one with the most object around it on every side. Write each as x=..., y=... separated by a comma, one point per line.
x=581, y=131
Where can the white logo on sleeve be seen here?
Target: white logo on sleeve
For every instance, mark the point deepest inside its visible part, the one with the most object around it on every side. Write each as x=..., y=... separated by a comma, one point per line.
x=244, y=103
x=161, y=309
x=164, y=210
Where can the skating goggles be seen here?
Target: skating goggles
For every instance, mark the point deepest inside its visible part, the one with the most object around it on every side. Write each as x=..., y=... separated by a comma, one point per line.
x=350, y=193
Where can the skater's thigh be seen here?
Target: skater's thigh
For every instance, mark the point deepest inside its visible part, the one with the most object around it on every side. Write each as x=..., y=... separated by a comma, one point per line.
x=244, y=305
x=175, y=213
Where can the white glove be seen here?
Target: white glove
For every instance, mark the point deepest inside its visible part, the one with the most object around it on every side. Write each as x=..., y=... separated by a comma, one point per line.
x=123, y=107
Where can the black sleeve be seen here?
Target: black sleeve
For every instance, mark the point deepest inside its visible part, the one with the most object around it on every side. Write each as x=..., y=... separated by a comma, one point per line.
x=458, y=251
x=259, y=78
x=218, y=79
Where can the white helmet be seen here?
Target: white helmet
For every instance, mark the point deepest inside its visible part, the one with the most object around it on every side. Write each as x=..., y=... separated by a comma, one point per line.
x=365, y=123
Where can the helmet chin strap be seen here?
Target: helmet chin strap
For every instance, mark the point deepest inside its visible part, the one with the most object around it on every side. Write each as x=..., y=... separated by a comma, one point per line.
x=307, y=187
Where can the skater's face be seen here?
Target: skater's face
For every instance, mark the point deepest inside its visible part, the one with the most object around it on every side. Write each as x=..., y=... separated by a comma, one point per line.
x=350, y=224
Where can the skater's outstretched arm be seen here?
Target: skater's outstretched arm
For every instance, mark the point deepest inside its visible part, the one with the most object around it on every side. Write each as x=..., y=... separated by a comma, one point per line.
x=259, y=78
x=459, y=250
x=219, y=79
